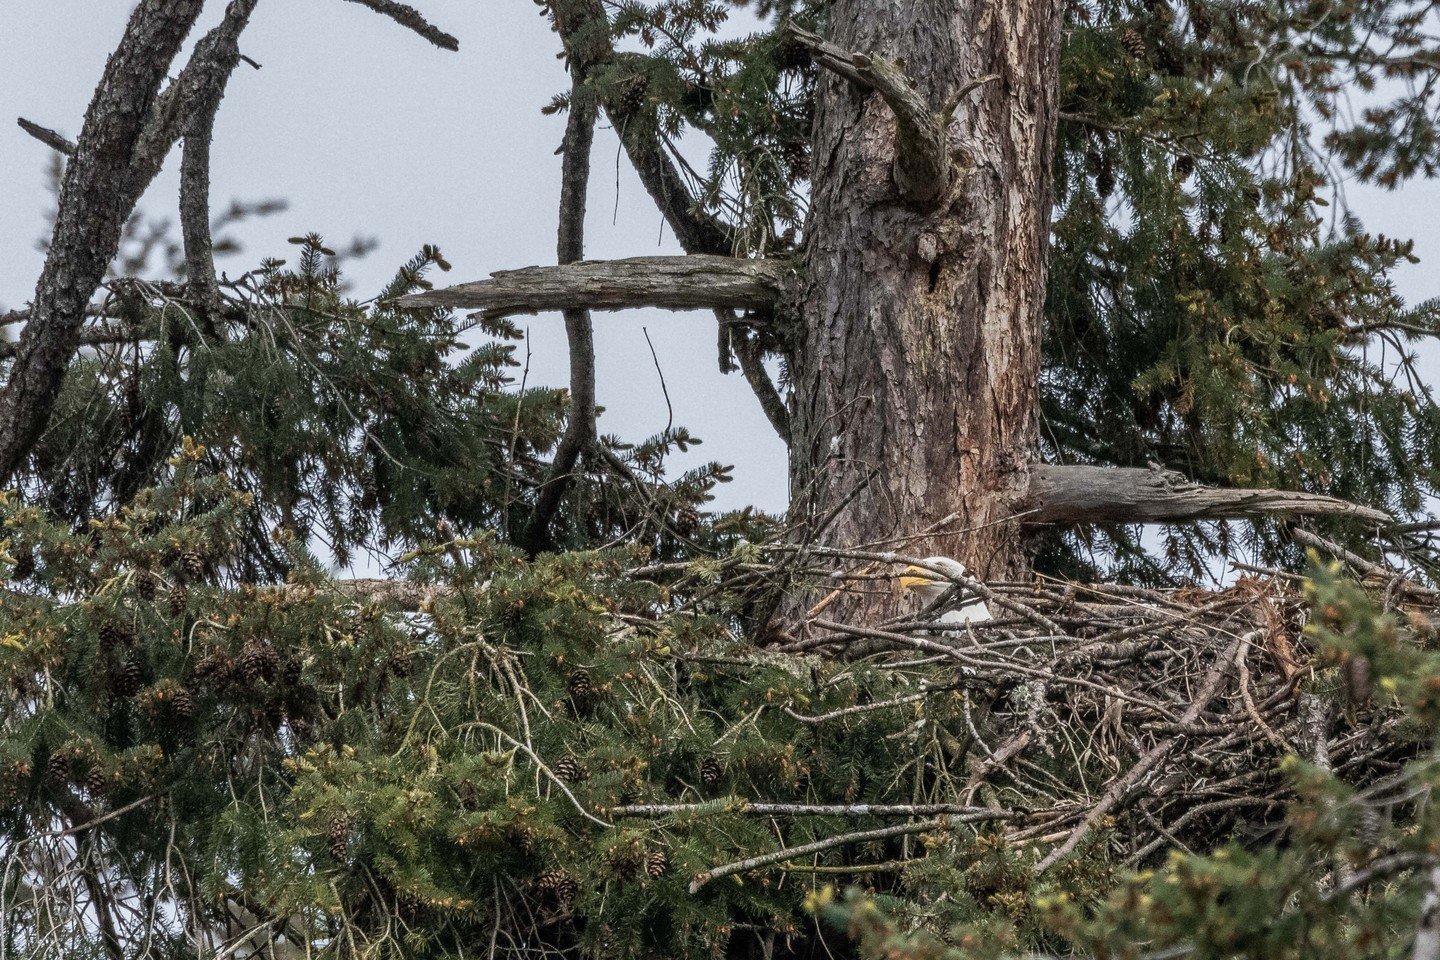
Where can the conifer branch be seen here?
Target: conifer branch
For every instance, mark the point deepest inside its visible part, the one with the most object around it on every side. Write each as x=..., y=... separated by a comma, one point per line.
x=410, y=18
x=675, y=283
x=1089, y=494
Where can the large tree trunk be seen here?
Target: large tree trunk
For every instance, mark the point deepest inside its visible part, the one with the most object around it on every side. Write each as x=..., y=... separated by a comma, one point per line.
x=917, y=367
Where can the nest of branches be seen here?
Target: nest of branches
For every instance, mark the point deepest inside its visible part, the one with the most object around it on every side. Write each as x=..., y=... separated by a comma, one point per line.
x=1147, y=720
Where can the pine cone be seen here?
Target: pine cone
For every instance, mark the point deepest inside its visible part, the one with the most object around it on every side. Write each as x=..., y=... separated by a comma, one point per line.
x=580, y=686
x=567, y=768
x=656, y=864
x=182, y=704
x=145, y=586
x=113, y=634
x=179, y=600
x=632, y=99
x=1200, y=19
x=337, y=838
x=215, y=670
x=1105, y=176
x=192, y=562
x=1184, y=165
x=524, y=838
x=96, y=781
x=24, y=564
x=258, y=661
x=59, y=766
x=623, y=865
x=127, y=678
x=711, y=772
x=559, y=884
x=1133, y=43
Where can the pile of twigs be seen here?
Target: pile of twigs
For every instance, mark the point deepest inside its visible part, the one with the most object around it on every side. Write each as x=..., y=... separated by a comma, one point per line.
x=1146, y=719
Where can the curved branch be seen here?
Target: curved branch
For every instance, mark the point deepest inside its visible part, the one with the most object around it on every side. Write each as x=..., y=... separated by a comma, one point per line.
x=1088, y=494
x=407, y=16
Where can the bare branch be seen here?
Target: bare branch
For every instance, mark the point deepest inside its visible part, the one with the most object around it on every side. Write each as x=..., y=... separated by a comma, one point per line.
x=408, y=16
x=1088, y=494
x=579, y=332
x=752, y=365
x=47, y=136
x=677, y=283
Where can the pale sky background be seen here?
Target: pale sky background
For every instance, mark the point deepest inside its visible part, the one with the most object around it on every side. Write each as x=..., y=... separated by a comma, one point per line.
x=367, y=129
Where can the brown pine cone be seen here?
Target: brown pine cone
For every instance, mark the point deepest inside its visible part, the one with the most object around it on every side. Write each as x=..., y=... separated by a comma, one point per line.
x=113, y=634
x=59, y=766
x=567, y=768
x=145, y=586
x=192, y=563
x=182, y=704
x=24, y=564
x=127, y=678
x=656, y=864
x=179, y=600
x=559, y=884
x=96, y=781
x=1133, y=43
x=711, y=772
x=580, y=685
x=337, y=838
x=258, y=661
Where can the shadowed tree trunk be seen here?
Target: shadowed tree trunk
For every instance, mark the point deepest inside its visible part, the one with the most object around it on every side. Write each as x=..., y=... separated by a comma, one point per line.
x=917, y=367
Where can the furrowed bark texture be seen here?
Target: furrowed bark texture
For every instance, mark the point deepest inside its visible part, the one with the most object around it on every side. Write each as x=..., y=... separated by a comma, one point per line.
x=129, y=127
x=917, y=366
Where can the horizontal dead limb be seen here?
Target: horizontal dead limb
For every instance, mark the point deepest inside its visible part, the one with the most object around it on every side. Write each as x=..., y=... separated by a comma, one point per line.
x=675, y=283
x=1088, y=494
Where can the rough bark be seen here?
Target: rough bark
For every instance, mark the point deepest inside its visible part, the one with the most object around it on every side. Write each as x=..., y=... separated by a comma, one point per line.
x=95, y=199
x=917, y=364
x=1087, y=494
x=676, y=283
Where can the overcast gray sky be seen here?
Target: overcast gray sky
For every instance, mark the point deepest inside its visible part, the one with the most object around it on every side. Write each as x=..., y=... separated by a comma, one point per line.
x=367, y=129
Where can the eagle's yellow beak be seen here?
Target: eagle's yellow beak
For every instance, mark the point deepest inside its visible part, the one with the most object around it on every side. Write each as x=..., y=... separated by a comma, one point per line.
x=916, y=577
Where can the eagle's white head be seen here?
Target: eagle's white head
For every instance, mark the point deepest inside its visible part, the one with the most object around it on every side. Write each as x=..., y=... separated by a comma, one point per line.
x=930, y=585
x=927, y=584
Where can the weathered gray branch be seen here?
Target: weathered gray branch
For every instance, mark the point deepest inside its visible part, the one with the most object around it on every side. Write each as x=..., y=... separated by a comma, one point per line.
x=408, y=16
x=675, y=283
x=923, y=169
x=49, y=137
x=1088, y=494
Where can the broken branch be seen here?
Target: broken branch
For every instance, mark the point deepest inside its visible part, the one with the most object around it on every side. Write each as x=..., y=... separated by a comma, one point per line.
x=1089, y=494
x=676, y=283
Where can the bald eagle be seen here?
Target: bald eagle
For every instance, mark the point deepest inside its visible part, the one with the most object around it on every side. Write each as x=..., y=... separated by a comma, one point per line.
x=930, y=586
